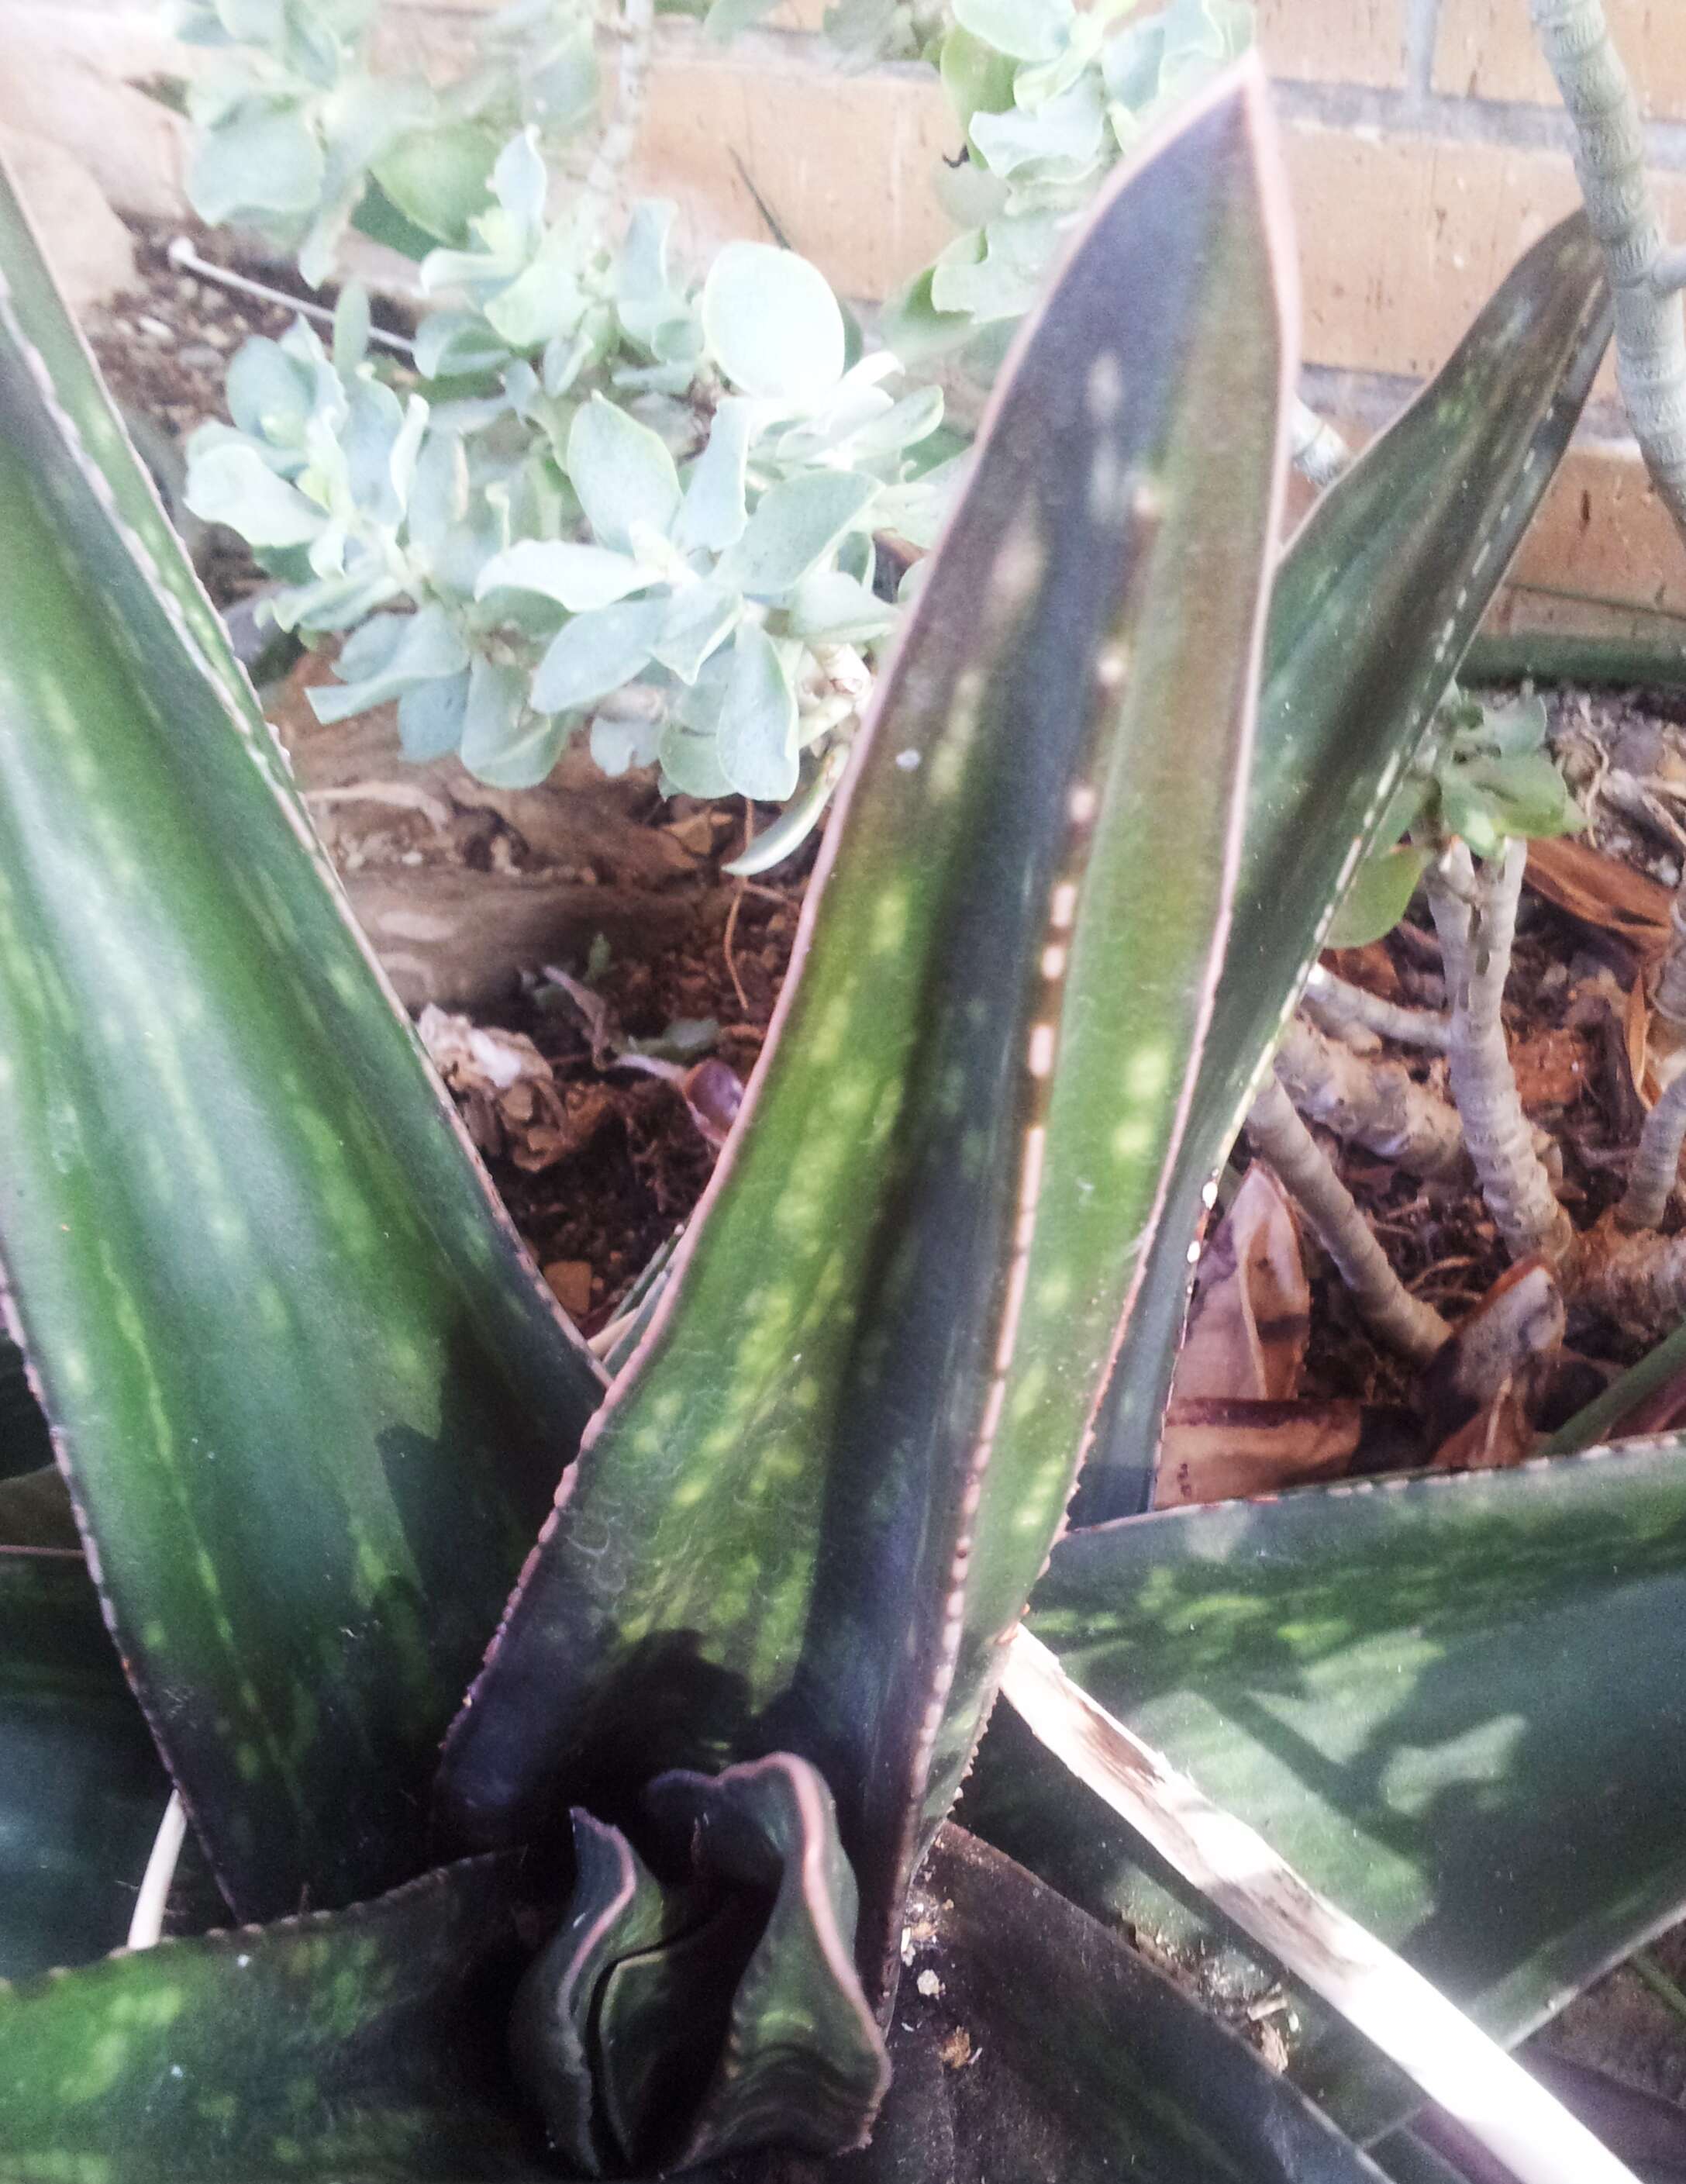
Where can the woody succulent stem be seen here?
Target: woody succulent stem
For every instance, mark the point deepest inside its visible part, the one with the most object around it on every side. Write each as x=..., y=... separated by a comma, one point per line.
x=1476, y=917
x=1371, y=1103
x=1402, y=1321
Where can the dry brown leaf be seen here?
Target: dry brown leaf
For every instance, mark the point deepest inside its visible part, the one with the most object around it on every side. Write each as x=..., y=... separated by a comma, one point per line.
x=1495, y=1438
x=571, y=1284
x=1217, y=1451
x=1252, y=1312
x=511, y=1103
x=1477, y=1393
x=1603, y=893
x=1636, y=1031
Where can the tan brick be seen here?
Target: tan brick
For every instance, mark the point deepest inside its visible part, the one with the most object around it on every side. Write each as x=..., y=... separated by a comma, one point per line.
x=1403, y=239
x=1487, y=50
x=844, y=163
x=1335, y=41
x=1602, y=534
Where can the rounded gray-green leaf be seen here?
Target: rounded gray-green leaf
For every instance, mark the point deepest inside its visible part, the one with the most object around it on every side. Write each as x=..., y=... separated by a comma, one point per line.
x=772, y=324
x=622, y=473
x=271, y=395
x=578, y=577
x=231, y=484
x=259, y=165
x=797, y=524
x=757, y=729
x=596, y=653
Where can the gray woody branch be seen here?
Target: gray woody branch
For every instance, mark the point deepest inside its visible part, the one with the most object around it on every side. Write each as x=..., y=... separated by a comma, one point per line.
x=1645, y=276
x=1404, y=1322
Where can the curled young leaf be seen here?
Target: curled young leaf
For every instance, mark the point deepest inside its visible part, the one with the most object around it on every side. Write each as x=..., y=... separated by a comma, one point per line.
x=680, y=2021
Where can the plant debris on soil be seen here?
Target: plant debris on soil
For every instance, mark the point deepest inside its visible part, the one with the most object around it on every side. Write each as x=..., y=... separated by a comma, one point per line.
x=644, y=1162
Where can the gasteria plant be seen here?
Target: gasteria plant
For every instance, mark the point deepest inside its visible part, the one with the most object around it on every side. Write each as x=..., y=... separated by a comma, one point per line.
x=652, y=1910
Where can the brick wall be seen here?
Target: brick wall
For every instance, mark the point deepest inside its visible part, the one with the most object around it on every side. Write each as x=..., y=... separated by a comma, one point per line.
x=1425, y=148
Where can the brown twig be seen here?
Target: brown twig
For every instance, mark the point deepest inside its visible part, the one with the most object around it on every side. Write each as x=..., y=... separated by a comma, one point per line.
x=738, y=894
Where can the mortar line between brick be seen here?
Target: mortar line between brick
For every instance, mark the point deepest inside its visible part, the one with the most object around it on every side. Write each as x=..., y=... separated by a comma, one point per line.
x=1509, y=124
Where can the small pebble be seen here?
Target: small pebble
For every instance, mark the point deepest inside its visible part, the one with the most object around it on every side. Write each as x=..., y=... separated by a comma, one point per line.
x=929, y=1986
x=200, y=356
x=153, y=329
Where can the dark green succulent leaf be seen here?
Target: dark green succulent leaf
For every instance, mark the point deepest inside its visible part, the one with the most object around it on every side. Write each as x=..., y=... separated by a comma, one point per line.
x=378, y=218
x=1486, y=799
x=313, y=1399
x=36, y=1512
x=1383, y=587
x=25, y=1442
x=825, y=1487
x=82, y=1788
x=1031, y=2042
x=1456, y=1705
x=37, y=315
x=349, y=2046
x=680, y=2021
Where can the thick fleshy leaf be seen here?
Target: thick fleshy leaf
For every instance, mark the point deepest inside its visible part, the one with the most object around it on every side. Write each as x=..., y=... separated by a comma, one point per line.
x=259, y=165
x=1381, y=590
x=82, y=1788
x=797, y=524
x=314, y=1398
x=824, y=1489
x=714, y=511
x=1031, y=2042
x=362, y=2043
x=439, y=178
x=1456, y=1705
x=756, y=732
x=594, y=654
x=578, y=577
x=36, y=307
